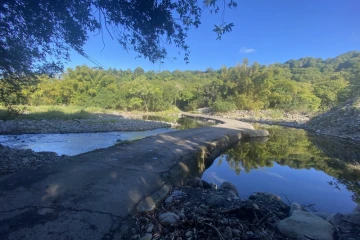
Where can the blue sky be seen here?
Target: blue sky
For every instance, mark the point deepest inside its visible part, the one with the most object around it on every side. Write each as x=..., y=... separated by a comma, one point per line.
x=266, y=31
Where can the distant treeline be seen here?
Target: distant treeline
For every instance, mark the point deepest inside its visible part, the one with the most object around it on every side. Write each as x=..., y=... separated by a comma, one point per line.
x=307, y=84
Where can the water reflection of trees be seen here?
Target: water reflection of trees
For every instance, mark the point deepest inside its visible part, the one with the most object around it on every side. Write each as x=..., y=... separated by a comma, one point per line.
x=296, y=149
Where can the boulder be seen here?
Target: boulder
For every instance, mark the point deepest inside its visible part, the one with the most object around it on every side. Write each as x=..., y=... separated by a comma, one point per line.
x=229, y=186
x=169, y=218
x=301, y=224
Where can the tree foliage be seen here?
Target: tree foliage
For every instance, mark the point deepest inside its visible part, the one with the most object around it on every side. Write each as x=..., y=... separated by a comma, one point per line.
x=249, y=87
x=37, y=35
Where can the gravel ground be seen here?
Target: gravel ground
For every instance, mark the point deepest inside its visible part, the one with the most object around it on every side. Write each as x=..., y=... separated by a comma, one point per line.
x=13, y=160
x=78, y=126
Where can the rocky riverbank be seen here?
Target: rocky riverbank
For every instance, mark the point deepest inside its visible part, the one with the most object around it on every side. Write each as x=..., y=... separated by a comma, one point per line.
x=271, y=117
x=342, y=121
x=201, y=211
x=13, y=160
x=100, y=124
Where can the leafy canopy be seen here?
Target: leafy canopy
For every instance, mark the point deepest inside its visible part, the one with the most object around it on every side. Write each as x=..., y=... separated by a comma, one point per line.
x=37, y=35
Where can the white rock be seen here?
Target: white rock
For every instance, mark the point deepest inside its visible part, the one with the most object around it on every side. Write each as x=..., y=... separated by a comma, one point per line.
x=302, y=223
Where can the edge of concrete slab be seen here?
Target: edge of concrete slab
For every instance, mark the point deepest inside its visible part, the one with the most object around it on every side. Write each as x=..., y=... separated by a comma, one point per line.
x=204, y=157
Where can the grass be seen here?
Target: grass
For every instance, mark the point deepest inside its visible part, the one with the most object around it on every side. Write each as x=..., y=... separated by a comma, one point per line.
x=71, y=112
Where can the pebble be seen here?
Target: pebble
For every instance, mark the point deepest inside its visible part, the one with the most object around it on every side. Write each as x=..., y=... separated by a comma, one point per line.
x=150, y=228
x=188, y=233
x=146, y=237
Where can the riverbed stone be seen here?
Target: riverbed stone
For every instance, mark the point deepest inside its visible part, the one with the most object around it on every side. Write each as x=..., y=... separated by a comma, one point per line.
x=169, y=218
x=229, y=186
x=177, y=194
x=302, y=223
x=345, y=222
x=195, y=182
x=228, y=233
x=168, y=200
x=357, y=208
x=260, y=133
x=150, y=228
x=323, y=215
x=150, y=202
x=294, y=206
x=215, y=200
x=147, y=236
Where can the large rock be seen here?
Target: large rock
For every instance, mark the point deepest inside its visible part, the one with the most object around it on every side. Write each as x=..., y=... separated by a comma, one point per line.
x=301, y=224
x=169, y=218
x=229, y=186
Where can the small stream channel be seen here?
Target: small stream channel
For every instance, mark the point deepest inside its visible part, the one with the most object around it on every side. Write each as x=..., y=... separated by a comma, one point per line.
x=291, y=163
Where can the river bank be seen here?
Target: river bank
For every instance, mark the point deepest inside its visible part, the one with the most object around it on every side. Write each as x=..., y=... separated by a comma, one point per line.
x=13, y=160
x=102, y=123
x=201, y=211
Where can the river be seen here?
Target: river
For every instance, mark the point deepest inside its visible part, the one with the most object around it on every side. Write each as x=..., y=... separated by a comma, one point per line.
x=297, y=166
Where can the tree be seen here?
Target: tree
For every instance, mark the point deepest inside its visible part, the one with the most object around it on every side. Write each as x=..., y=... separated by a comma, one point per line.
x=34, y=31
x=138, y=72
x=142, y=91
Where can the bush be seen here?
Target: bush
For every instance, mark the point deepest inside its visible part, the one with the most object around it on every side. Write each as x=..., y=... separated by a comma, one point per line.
x=223, y=106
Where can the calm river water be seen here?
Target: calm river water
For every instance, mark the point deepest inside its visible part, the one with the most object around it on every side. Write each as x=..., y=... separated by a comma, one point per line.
x=304, y=168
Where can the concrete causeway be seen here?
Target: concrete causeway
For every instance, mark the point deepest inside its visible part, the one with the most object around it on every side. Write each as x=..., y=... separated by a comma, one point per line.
x=87, y=196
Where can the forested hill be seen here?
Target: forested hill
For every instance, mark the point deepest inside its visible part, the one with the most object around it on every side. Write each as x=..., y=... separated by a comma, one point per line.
x=307, y=84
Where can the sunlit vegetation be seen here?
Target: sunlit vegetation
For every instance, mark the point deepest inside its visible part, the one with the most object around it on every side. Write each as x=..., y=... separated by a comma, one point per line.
x=307, y=84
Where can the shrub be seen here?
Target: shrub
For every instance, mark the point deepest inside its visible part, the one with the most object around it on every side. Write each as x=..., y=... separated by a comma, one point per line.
x=223, y=106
